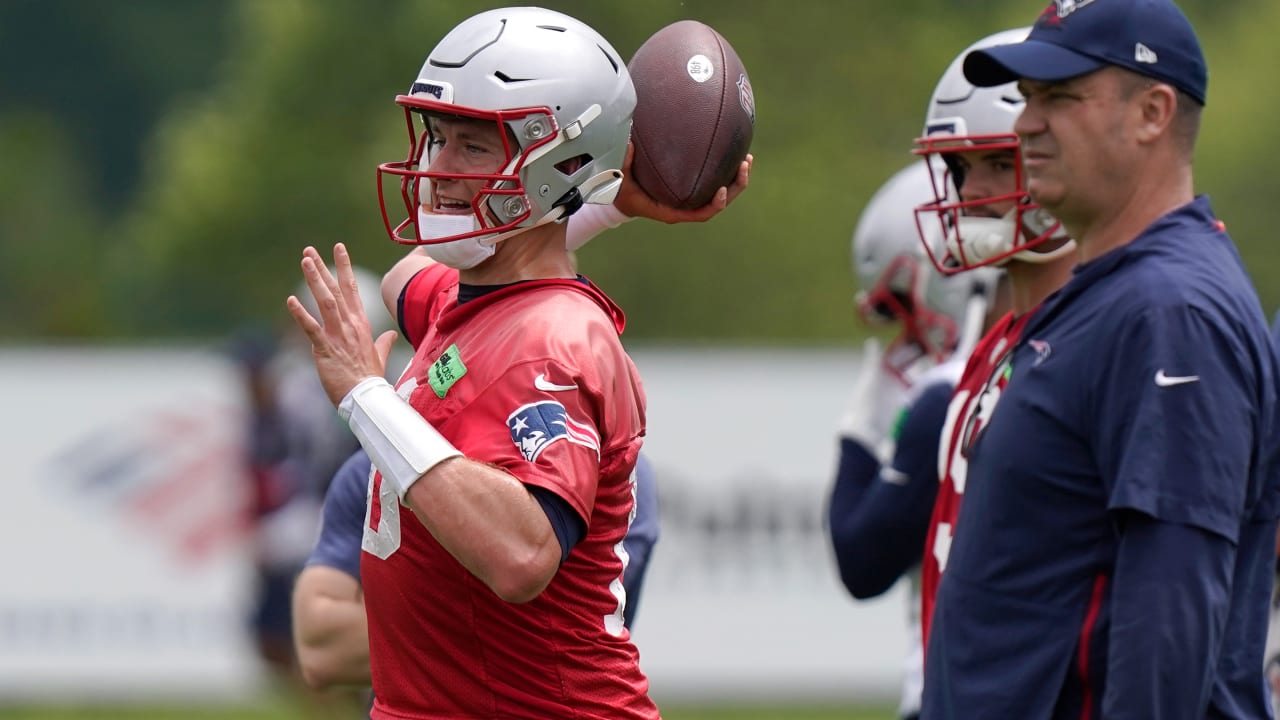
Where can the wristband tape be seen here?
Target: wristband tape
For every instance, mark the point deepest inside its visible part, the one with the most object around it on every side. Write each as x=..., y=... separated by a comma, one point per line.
x=400, y=442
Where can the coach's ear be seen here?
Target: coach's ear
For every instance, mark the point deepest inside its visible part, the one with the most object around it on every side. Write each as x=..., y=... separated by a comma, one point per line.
x=1155, y=106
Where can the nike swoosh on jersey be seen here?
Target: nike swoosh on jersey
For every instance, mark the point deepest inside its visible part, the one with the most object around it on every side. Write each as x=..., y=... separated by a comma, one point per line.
x=1163, y=380
x=545, y=385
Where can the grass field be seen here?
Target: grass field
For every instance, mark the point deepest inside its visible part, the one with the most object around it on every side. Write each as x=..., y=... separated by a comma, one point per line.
x=281, y=711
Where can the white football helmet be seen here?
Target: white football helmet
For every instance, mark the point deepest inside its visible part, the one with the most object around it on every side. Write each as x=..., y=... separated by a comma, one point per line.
x=960, y=118
x=938, y=314
x=562, y=99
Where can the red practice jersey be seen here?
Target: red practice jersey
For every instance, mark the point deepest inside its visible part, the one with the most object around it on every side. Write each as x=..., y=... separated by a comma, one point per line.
x=971, y=406
x=533, y=379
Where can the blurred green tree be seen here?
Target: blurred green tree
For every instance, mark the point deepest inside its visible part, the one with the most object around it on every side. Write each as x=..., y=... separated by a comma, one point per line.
x=166, y=162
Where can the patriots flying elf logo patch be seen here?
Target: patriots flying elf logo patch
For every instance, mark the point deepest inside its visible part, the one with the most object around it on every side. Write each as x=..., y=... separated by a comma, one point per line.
x=1043, y=351
x=537, y=425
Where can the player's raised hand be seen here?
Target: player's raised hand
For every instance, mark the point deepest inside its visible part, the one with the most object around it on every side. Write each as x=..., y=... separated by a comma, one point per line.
x=874, y=403
x=341, y=343
x=632, y=200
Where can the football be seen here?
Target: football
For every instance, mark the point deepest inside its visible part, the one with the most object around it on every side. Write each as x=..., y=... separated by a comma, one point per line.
x=694, y=116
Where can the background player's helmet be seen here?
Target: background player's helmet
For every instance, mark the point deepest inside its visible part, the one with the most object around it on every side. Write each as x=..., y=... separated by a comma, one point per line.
x=960, y=118
x=370, y=283
x=561, y=96
x=896, y=280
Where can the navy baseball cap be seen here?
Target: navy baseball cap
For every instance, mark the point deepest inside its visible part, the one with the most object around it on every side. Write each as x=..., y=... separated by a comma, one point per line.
x=1076, y=37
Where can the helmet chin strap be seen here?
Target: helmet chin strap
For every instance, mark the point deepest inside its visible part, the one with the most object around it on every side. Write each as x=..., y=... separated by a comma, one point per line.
x=978, y=239
x=433, y=226
x=466, y=253
x=463, y=254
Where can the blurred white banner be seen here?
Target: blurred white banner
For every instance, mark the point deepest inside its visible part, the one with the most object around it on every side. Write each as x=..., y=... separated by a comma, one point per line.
x=128, y=574
x=742, y=600
x=126, y=571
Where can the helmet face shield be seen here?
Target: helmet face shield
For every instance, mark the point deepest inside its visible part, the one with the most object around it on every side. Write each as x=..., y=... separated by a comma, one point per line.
x=893, y=296
x=971, y=234
x=499, y=203
x=979, y=218
x=899, y=296
x=960, y=231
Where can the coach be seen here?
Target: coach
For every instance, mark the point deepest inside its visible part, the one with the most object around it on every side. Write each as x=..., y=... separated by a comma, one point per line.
x=1118, y=535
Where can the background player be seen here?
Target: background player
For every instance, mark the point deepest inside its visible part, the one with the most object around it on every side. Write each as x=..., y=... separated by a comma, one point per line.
x=887, y=474
x=331, y=629
x=296, y=443
x=986, y=219
x=1119, y=532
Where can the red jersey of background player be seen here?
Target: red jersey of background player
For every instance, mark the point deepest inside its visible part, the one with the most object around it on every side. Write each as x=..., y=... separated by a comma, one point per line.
x=532, y=378
x=971, y=406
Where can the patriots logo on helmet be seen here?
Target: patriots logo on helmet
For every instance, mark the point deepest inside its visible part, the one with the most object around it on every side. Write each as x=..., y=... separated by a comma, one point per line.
x=537, y=425
x=954, y=126
x=441, y=91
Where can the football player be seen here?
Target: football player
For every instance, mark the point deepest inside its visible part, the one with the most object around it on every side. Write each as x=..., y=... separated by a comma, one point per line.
x=887, y=474
x=984, y=218
x=296, y=442
x=493, y=553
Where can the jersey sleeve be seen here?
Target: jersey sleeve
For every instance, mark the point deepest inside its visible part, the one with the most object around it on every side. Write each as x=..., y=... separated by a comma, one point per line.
x=421, y=300
x=1166, y=576
x=879, y=534
x=1174, y=420
x=342, y=523
x=591, y=220
x=545, y=437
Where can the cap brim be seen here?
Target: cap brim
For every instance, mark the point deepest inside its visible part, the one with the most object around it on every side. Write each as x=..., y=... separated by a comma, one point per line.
x=1030, y=59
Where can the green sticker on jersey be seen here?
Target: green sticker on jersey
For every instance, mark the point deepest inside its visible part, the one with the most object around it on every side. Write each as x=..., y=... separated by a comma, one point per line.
x=447, y=370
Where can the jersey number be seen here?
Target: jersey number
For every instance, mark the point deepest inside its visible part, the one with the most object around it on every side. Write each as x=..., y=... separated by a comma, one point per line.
x=381, y=519
x=613, y=622
x=952, y=464
x=942, y=546
x=382, y=507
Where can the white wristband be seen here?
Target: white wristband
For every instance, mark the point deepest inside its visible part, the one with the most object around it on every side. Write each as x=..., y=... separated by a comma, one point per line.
x=590, y=221
x=400, y=442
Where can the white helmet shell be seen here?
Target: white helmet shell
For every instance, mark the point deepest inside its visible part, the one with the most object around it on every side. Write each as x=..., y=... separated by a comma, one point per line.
x=897, y=282
x=960, y=109
x=554, y=86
